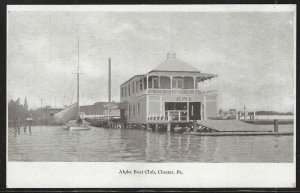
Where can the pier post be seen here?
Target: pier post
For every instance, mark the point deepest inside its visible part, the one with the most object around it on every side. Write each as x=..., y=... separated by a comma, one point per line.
x=195, y=126
x=169, y=127
x=156, y=127
x=276, y=125
x=18, y=124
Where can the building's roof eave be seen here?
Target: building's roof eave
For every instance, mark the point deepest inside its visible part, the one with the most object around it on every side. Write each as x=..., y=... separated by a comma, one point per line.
x=133, y=78
x=173, y=71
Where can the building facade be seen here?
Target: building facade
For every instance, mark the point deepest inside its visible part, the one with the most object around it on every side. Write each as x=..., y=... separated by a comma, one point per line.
x=168, y=93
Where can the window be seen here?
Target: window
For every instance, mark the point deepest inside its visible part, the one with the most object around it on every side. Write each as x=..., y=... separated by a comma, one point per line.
x=141, y=84
x=149, y=82
x=177, y=83
x=137, y=86
x=128, y=89
x=133, y=109
x=138, y=109
x=155, y=82
x=122, y=94
x=125, y=91
x=145, y=82
x=128, y=110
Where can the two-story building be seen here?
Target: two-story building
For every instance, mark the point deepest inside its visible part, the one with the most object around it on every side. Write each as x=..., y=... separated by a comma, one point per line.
x=170, y=93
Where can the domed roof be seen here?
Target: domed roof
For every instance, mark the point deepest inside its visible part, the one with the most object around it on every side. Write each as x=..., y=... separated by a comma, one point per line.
x=175, y=65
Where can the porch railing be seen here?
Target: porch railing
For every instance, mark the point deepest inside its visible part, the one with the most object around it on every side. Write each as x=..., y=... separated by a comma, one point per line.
x=167, y=116
x=160, y=91
x=178, y=91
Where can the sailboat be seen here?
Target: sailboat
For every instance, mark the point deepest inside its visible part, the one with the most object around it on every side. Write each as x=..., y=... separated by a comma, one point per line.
x=71, y=115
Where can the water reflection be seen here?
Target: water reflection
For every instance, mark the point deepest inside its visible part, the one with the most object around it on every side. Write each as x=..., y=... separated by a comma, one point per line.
x=99, y=144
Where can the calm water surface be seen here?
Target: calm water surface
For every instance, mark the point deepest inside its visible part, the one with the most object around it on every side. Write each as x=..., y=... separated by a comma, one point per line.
x=54, y=143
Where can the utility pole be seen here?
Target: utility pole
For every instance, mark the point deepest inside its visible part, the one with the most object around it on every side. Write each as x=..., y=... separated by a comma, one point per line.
x=109, y=80
x=41, y=111
x=78, y=107
x=236, y=108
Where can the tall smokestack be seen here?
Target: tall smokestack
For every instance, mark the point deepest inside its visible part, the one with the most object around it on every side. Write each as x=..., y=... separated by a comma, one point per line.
x=109, y=80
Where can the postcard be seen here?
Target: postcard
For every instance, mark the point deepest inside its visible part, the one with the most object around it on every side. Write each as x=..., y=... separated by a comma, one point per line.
x=169, y=96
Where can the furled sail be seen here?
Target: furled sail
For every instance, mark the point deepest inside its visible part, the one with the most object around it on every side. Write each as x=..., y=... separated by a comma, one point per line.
x=67, y=114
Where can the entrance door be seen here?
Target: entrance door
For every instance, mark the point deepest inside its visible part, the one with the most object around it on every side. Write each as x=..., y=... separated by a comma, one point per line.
x=194, y=110
x=175, y=106
x=177, y=110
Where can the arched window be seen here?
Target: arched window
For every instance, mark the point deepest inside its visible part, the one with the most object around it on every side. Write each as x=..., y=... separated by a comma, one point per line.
x=165, y=82
x=188, y=82
x=153, y=82
x=177, y=82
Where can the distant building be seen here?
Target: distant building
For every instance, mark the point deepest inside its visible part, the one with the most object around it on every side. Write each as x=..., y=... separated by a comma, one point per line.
x=48, y=114
x=112, y=110
x=232, y=112
x=95, y=109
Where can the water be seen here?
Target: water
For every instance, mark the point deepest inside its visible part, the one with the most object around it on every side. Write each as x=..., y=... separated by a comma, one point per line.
x=53, y=143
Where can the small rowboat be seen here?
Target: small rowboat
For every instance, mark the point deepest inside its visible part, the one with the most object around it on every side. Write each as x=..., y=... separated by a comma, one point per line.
x=79, y=128
x=73, y=125
x=180, y=129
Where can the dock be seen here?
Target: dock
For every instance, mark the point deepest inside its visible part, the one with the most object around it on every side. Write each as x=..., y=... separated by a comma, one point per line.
x=234, y=128
x=231, y=126
x=239, y=133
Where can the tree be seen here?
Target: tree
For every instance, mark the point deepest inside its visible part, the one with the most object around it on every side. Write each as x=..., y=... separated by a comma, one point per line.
x=15, y=110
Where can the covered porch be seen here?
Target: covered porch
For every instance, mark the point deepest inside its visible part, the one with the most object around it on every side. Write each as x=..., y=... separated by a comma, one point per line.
x=178, y=112
x=174, y=82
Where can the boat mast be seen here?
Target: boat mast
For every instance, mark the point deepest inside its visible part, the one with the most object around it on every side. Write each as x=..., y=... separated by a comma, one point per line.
x=78, y=107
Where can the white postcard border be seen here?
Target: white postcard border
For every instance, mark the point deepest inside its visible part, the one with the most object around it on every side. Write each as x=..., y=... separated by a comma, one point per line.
x=195, y=175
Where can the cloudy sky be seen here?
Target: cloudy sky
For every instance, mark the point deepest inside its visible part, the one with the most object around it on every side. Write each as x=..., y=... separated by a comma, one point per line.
x=252, y=53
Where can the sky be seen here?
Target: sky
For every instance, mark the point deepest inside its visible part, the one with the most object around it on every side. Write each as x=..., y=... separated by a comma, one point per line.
x=251, y=52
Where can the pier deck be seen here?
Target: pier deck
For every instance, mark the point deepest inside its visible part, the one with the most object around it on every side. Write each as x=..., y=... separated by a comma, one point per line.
x=238, y=133
x=232, y=126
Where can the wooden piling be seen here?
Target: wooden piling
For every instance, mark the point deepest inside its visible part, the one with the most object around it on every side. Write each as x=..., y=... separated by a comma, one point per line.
x=169, y=127
x=276, y=125
x=156, y=127
x=195, y=125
